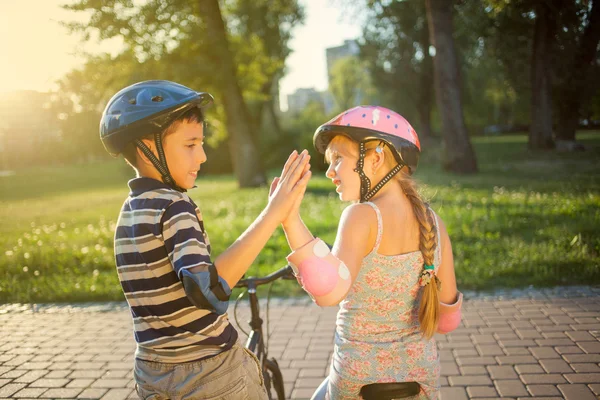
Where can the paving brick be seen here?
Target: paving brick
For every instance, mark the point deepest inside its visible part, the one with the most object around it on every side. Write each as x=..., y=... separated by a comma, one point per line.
x=303, y=393
x=504, y=360
x=517, y=343
x=490, y=350
x=568, y=350
x=543, y=390
x=544, y=352
x=31, y=376
x=80, y=383
x=453, y=393
x=517, y=351
x=554, y=342
x=585, y=367
x=476, y=361
x=529, y=369
x=29, y=393
x=49, y=383
x=576, y=392
x=502, y=372
x=590, y=347
x=311, y=373
x=595, y=388
x=582, y=358
x=92, y=394
x=469, y=380
x=510, y=387
x=117, y=394
x=483, y=339
x=472, y=352
x=110, y=383
x=481, y=391
x=473, y=370
x=555, y=366
x=449, y=368
x=579, y=336
x=583, y=378
x=57, y=374
x=532, y=379
x=62, y=393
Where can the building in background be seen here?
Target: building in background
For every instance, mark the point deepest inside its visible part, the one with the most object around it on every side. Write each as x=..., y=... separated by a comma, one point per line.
x=301, y=97
x=298, y=100
x=348, y=49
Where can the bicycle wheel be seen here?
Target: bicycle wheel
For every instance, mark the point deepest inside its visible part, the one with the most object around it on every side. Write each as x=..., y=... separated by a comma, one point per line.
x=273, y=380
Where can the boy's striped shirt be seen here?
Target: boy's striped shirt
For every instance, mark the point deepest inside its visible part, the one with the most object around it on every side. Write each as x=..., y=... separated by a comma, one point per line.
x=160, y=232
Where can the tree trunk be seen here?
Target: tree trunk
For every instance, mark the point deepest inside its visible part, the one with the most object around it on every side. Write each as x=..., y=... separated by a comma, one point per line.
x=425, y=94
x=458, y=152
x=540, y=132
x=244, y=153
x=576, y=90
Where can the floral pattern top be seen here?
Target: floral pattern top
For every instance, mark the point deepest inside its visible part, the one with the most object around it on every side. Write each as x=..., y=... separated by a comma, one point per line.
x=377, y=336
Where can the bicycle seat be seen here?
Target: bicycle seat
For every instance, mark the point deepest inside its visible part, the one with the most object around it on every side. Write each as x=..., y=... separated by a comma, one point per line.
x=390, y=391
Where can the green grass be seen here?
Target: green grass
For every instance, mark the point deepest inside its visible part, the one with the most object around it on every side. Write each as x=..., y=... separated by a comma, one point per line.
x=525, y=219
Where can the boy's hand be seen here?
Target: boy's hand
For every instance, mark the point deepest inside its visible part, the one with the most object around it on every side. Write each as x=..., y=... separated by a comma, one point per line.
x=287, y=191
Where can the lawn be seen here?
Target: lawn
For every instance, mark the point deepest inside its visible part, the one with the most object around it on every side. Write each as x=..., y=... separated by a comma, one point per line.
x=525, y=219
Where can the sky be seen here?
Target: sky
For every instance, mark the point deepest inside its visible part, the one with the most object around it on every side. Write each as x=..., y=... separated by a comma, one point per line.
x=36, y=50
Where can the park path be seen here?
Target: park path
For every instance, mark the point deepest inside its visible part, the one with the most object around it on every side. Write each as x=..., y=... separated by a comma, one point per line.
x=541, y=344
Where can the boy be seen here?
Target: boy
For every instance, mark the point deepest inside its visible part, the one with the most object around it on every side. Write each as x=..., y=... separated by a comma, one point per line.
x=178, y=296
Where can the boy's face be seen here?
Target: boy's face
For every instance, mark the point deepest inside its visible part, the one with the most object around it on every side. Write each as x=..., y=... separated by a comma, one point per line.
x=185, y=153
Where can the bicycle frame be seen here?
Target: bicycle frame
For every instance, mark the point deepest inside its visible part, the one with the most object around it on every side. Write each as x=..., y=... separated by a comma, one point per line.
x=256, y=341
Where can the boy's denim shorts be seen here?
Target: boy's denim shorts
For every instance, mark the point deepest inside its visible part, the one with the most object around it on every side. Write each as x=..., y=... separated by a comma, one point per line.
x=232, y=375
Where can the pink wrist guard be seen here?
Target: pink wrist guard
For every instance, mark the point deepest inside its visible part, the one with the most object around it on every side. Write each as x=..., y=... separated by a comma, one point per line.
x=450, y=315
x=321, y=274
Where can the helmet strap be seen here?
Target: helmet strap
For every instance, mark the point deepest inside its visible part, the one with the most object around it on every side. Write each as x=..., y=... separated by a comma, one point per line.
x=365, y=183
x=382, y=182
x=159, y=163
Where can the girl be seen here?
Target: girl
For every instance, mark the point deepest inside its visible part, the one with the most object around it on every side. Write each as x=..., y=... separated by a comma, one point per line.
x=391, y=268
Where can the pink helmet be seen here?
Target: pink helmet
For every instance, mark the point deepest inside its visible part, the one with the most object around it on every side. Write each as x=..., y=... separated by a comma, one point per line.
x=366, y=123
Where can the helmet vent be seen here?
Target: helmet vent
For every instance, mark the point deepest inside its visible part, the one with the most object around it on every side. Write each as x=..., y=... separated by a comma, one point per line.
x=157, y=99
x=132, y=101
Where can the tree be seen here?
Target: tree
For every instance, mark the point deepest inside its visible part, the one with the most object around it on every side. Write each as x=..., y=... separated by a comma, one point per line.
x=540, y=132
x=458, y=152
x=201, y=45
x=397, y=52
x=575, y=78
x=350, y=83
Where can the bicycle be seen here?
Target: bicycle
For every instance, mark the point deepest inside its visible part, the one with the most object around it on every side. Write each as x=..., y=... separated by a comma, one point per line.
x=270, y=368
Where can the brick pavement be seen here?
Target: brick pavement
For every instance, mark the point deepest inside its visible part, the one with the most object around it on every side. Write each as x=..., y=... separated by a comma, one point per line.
x=511, y=345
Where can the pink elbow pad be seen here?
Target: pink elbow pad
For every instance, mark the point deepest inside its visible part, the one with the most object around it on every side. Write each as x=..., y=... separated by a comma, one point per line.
x=321, y=274
x=450, y=315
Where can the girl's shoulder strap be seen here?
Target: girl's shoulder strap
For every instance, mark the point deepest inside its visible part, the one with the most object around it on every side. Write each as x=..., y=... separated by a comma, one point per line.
x=379, y=226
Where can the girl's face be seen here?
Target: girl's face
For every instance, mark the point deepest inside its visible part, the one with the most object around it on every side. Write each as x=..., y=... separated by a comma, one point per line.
x=342, y=155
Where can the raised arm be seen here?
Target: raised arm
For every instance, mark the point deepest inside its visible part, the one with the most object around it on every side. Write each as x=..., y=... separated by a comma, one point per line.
x=328, y=275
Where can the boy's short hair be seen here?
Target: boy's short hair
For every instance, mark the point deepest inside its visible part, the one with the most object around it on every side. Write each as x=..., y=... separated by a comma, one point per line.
x=194, y=115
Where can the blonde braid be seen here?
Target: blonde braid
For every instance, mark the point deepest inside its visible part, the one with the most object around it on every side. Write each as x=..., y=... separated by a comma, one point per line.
x=429, y=307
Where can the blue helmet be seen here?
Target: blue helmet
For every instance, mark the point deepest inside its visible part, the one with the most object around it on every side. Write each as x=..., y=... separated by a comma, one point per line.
x=143, y=109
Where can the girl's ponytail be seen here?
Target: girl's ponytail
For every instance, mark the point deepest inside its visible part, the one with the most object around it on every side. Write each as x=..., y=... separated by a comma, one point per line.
x=429, y=308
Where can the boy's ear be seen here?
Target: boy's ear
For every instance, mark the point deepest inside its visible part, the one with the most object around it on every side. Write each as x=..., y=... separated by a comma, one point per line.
x=152, y=146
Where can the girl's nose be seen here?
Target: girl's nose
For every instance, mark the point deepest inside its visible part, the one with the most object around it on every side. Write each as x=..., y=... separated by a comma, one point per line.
x=329, y=173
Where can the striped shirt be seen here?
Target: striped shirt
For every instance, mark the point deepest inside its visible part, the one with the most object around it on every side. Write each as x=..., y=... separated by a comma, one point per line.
x=160, y=233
